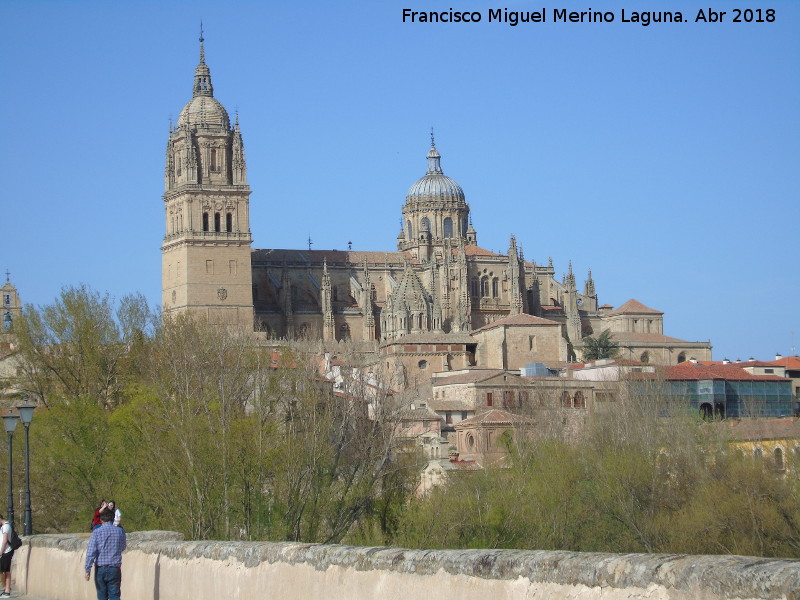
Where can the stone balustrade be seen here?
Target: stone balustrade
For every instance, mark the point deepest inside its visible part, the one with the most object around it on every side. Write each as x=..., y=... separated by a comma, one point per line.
x=159, y=565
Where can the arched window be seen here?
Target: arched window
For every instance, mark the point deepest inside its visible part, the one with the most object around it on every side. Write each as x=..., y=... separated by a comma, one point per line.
x=373, y=292
x=426, y=224
x=473, y=287
x=216, y=222
x=205, y=221
x=344, y=331
x=464, y=228
x=228, y=222
x=681, y=357
x=484, y=287
x=334, y=293
x=580, y=400
x=644, y=357
x=448, y=227
x=410, y=230
x=213, y=159
x=566, y=400
x=777, y=458
x=495, y=288
x=7, y=319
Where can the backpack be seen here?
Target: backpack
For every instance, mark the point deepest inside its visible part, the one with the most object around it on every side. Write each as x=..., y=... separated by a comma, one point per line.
x=14, y=540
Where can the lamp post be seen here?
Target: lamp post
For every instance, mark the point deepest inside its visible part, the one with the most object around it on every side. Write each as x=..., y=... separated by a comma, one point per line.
x=10, y=424
x=26, y=416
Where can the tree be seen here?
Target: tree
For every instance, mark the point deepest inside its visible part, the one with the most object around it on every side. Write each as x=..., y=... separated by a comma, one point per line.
x=80, y=346
x=603, y=346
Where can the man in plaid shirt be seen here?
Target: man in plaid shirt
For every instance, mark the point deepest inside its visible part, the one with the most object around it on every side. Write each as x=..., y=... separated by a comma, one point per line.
x=105, y=551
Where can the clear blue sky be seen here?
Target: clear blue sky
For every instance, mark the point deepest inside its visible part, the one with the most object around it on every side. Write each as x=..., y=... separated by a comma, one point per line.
x=665, y=158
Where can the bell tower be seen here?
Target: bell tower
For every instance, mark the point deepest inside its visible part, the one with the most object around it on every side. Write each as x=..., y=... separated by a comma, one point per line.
x=205, y=266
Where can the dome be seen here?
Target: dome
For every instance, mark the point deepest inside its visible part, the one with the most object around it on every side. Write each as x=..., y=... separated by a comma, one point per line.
x=204, y=111
x=435, y=183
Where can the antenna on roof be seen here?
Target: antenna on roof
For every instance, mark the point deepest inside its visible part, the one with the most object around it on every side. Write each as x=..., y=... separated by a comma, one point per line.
x=309, y=241
x=349, y=245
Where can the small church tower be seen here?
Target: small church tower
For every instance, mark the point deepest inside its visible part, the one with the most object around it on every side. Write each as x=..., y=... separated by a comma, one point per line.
x=206, y=268
x=12, y=305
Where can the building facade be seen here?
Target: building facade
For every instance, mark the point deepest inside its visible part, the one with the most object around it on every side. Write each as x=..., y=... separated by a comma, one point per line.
x=436, y=287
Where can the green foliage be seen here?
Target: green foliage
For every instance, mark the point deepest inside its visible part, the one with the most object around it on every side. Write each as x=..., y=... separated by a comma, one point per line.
x=645, y=477
x=189, y=428
x=602, y=346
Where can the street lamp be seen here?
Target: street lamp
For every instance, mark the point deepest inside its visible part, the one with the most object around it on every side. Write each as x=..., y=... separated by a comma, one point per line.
x=10, y=423
x=26, y=416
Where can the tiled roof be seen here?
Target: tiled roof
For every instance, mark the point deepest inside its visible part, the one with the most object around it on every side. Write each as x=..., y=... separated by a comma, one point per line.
x=783, y=428
x=520, y=320
x=333, y=257
x=494, y=417
x=788, y=362
x=471, y=377
x=635, y=307
x=633, y=336
x=445, y=405
x=431, y=338
x=691, y=371
x=419, y=414
x=473, y=250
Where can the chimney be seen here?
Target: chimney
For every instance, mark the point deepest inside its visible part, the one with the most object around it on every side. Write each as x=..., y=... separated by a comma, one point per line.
x=725, y=361
x=778, y=356
x=693, y=360
x=751, y=359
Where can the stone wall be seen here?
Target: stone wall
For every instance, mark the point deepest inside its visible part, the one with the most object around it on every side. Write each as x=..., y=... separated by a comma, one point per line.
x=158, y=566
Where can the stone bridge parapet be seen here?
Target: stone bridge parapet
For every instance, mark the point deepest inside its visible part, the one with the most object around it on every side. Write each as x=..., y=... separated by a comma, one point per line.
x=159, y=565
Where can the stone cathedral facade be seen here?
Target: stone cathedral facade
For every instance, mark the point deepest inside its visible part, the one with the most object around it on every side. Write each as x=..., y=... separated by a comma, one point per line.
x=420, y=303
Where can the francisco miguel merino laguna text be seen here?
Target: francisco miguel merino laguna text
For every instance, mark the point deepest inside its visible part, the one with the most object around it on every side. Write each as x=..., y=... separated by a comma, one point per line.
x=562, y=15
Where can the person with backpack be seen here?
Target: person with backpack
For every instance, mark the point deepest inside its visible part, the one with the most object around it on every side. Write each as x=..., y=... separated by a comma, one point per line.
x=6, y=554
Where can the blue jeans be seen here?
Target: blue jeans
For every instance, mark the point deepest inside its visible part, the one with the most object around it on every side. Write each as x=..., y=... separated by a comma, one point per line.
x=107, y=580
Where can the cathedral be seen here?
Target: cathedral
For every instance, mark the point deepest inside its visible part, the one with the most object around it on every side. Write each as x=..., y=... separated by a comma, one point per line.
x=430, y=302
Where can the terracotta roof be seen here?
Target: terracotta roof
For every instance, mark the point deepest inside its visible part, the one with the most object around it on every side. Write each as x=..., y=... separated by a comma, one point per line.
x=605, y=306
x=333, y=257
x=783, y=428
x=691, y=371
x=494, y=417
x=554, y=308
x=455, y=405
x=471, y=377
x=635, y=307
x=473, y=250
x=431, y=338
x=655, y=338
x=788, y=362
x=419, y=414
x=521, y=320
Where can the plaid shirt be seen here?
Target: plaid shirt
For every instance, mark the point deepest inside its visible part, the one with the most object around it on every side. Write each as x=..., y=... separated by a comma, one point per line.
x=105, y=547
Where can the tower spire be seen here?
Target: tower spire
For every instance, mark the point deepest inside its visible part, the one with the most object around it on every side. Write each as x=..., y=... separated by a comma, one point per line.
x=202, y=48
x=434, y=158
x=202, y=74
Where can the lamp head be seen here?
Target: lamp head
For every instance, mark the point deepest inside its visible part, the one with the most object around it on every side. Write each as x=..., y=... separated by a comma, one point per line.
x=26, y=412
x=10, y=421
